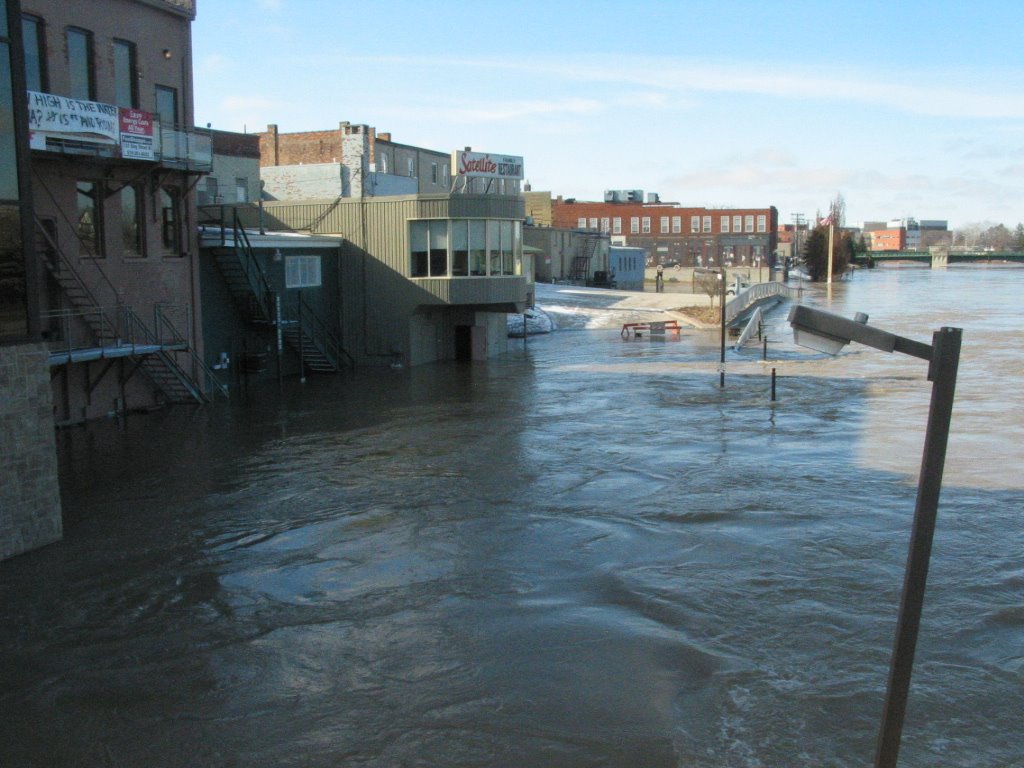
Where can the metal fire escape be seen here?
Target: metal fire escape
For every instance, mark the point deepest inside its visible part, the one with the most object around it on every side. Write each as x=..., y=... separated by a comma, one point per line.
x=318, y=346
x=579, y=271
x=87, y=330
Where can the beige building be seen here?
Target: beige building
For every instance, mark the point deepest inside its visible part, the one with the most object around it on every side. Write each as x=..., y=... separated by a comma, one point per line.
x=422, y=278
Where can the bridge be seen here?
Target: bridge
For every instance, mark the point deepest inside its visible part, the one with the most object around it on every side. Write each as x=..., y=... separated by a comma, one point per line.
x=938, y=259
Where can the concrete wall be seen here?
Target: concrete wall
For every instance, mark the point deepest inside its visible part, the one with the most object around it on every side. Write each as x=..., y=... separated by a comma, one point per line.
x=30, y=514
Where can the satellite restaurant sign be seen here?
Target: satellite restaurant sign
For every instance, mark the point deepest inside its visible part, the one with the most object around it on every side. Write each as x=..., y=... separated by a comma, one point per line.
x=90, y=122
x=484, y=165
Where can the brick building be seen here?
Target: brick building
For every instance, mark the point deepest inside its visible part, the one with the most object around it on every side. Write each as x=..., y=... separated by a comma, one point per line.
x=671, y=233
x=351, y=161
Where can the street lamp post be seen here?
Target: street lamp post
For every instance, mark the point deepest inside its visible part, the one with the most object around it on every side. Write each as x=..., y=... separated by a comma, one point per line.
x=827, y=332
x=721, y=363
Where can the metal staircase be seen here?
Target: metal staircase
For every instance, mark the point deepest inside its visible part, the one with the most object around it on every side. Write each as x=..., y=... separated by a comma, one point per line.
x=579, y=270
x=318, y=346
x=119, y=331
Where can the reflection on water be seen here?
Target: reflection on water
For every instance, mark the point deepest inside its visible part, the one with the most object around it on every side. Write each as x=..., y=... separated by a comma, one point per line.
x=582, y=554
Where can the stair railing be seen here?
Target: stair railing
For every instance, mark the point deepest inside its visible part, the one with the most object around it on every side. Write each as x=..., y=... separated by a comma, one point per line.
x=322, y=336
x=254, y=274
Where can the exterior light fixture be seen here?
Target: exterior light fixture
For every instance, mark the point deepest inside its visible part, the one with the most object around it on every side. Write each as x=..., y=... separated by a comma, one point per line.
x=828, y=332
x=167, y=53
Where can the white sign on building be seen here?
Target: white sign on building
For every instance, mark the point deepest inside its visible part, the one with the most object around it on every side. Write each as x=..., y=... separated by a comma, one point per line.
x=486, y=165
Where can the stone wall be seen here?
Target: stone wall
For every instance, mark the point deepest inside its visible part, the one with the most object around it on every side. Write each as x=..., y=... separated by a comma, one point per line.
x=30, y=514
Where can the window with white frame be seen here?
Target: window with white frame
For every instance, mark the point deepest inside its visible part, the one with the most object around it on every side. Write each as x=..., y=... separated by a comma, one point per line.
x=645, y=225
x=634, y=225
x=677, y=224
x=707, y=223
x=302, y=271
x=737, y=223
x=581, y=223
x=748, y=223
x=725, y=224
x=617, y=225
x=762, y=223
x=593, y=223
x=664, y=225
x=605, y=224
x=695, y=224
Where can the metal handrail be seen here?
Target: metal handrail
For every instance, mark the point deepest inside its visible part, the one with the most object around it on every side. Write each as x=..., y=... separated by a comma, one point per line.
x=322, y=335
x=755, y=293
x=254, y=273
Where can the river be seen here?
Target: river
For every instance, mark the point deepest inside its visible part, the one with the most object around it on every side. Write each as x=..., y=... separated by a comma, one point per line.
x=584, y=553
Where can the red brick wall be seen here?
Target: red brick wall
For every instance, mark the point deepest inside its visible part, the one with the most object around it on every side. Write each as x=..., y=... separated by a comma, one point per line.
x=299, y=148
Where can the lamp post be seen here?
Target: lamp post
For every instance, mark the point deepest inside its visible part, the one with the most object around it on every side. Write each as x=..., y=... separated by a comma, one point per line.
x=827, y=332
x=721, y=363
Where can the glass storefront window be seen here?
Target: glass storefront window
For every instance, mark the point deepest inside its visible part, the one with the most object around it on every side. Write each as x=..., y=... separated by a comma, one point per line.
x=477, y=248
x=132, y=225
x=460, y=248
x=90, y=220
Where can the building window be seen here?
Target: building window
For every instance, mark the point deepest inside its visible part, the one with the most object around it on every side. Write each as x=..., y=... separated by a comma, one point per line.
x=737, y=223
x=605, y=224
x=724, y=224
x=477, y=247
x=695, y=224
x=460, y=248
x=302, y=272
x=167, y=105
x=382, y=163
x=645, y=225
x=748, y=223
x=241, y=189
x=433, y=173
x=617, y=225
x=410, y=167
x=593, y=224
x=634, y=225
x=33, y=34
x=581, y=223
x=762, y=223
x=664, y=225
x=126, y=75
x=81, y=70
x=212, y=192
x=429, y=246
x=707, y=223
x=170, y=216
x=677, y=224
x=90, y=219
x=132, y=225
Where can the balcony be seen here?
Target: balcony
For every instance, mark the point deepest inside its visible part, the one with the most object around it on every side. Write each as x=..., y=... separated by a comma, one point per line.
x=185, y=149
x=67, y=126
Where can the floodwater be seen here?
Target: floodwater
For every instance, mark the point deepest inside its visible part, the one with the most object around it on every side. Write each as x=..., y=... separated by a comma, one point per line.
x=582, y=554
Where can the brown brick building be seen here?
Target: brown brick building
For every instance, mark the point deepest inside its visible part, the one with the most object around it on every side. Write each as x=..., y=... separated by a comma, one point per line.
x=671, y=233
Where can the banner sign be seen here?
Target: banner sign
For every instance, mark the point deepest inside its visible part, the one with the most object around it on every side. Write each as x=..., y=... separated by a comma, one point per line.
x=483, y=165
x=137, y=135
x=85, y=120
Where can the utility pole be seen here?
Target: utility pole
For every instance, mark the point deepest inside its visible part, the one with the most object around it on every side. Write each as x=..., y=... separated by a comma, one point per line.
x=798, y=221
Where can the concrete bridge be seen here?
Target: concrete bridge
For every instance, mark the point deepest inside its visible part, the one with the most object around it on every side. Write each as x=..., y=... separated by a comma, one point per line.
x=937, y=259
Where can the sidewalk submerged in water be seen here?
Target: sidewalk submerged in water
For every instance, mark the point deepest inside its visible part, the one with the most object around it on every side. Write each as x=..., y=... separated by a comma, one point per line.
x=574, y=307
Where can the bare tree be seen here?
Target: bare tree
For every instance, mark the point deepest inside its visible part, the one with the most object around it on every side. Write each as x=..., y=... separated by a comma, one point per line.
x=710, y=284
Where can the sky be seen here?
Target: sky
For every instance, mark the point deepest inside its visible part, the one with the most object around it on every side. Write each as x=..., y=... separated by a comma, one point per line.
x=905, y=108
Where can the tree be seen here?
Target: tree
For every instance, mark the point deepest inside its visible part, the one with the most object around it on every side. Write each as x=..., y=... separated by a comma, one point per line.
x=710, y=284
x=816, y=253
x=1018, y=238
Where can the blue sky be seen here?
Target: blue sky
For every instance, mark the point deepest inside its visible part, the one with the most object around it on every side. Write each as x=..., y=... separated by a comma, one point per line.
x=905, y=108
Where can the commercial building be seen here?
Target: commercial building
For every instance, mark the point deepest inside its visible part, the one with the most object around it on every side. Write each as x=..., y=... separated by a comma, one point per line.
x=114, y=163
x=352, y=161
x=419, y=278
x=673, y=234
